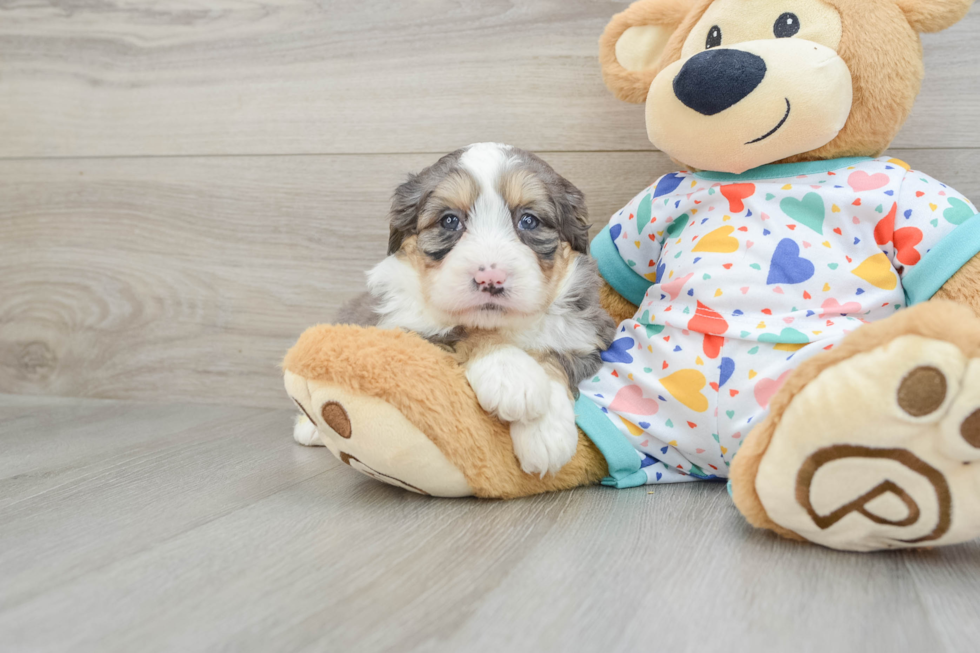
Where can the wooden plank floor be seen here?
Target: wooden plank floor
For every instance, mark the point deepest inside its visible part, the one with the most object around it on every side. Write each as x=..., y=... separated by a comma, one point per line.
x=135, y=527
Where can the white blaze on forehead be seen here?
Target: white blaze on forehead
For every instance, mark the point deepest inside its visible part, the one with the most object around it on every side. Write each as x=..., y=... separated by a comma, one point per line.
x=487, y=162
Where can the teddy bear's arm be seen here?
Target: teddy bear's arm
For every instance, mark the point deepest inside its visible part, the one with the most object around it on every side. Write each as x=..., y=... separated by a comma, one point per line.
x=619, y=308
x=964, y=286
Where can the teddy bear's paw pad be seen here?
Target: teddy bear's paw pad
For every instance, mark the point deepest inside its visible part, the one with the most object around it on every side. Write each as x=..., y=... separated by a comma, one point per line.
x=878, y=451
x=375, y=438
x=335, y=416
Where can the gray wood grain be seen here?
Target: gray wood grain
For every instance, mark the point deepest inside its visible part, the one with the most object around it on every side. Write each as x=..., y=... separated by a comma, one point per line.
x=188, y=278
x=233, y=538
x=202, y=77
x=84, y=485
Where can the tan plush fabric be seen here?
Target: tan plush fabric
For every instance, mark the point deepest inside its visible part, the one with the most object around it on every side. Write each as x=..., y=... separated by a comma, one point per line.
x=615, y=304
x=632, y=85
x=880, y=45
x=964, y=286
x=427, y=386
x=938, y=319
x=934, y=15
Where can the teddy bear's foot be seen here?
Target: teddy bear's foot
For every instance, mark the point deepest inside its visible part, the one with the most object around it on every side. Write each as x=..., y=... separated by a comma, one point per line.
x=375, y=438
x=395, y=407
x=878, y=451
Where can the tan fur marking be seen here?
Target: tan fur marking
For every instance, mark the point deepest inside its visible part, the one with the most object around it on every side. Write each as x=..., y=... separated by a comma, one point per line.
x=457, y=191
x=558, y=269
x=522, y=188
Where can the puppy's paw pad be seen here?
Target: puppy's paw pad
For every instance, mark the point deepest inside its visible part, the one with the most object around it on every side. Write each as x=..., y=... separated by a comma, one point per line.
x=510, y=384
x=305, y=432
x=546, y=444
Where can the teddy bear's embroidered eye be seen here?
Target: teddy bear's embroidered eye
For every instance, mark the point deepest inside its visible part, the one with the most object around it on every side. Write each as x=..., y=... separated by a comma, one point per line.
x=786, y=26
x=714, y=38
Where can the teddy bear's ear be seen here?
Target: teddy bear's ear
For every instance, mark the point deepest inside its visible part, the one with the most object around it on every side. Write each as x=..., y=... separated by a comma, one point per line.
x=933, y=15
x=632, y=46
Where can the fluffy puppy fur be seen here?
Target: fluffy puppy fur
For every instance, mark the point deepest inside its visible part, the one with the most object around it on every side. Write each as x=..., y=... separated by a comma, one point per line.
x=488, y=258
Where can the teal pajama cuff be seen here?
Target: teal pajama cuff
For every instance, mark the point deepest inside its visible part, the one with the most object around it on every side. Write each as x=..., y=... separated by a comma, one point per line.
x=622, y=458
x=614, y=270
x=942, y=262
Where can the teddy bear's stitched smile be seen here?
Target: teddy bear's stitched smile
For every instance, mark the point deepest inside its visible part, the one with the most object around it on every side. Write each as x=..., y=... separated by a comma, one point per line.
x=776, y=128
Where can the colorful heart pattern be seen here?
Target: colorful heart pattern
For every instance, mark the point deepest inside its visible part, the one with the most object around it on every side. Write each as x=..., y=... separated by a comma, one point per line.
x=718, y=241
x=743, y=281
x=809, y=211
x=631, y=400
x=787, y=266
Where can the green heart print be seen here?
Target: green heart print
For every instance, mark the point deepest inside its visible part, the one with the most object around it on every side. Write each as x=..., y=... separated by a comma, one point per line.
x=809, y=212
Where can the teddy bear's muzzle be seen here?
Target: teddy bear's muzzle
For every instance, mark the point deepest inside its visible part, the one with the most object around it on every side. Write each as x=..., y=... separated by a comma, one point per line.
x=736, y=108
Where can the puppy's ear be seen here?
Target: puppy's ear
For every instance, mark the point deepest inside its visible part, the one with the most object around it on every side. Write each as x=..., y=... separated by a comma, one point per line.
x=573, y=216
x=933, y=15
x=404, y=215
x=634, y=46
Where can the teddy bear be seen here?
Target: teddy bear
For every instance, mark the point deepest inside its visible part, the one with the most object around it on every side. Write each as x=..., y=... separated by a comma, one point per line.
x=797, y=313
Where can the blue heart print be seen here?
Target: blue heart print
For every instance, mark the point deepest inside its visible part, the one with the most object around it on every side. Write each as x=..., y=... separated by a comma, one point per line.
x=667, y=184
x=618, y=351
x=788, y=266
x=615, y=231
x=727, y=369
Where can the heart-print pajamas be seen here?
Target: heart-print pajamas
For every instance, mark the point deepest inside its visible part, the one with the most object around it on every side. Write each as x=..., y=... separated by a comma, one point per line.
x=738, y=279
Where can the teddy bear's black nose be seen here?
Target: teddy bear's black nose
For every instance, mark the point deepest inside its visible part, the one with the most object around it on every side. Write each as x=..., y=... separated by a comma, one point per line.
x=716, y=79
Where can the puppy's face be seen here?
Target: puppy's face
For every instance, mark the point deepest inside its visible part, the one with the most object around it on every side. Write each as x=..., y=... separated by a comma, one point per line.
x=489, y=231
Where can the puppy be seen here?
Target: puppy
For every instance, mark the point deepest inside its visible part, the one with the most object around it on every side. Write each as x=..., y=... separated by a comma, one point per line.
x=488, y=258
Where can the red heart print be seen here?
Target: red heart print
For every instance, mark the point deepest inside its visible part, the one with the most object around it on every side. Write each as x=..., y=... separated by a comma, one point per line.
x=735, y=193
x=905, y=241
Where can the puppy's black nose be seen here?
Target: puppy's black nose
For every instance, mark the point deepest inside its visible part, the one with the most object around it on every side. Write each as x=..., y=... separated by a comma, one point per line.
x=717, y=79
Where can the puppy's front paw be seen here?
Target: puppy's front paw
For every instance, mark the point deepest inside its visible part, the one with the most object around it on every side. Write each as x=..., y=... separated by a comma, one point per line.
x=510, y=384
x=545, y=444
x=305, y=432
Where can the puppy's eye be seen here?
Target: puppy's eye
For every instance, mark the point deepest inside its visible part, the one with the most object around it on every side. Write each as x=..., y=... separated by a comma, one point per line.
x=714, y=38
x=786, y=26
x=528, y=222
x=450, y=222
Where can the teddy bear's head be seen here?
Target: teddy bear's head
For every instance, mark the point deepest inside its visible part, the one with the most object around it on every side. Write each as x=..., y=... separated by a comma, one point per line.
x=730, y=85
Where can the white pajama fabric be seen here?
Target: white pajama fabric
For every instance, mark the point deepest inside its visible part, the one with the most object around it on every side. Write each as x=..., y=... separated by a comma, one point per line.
x=740, y=278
